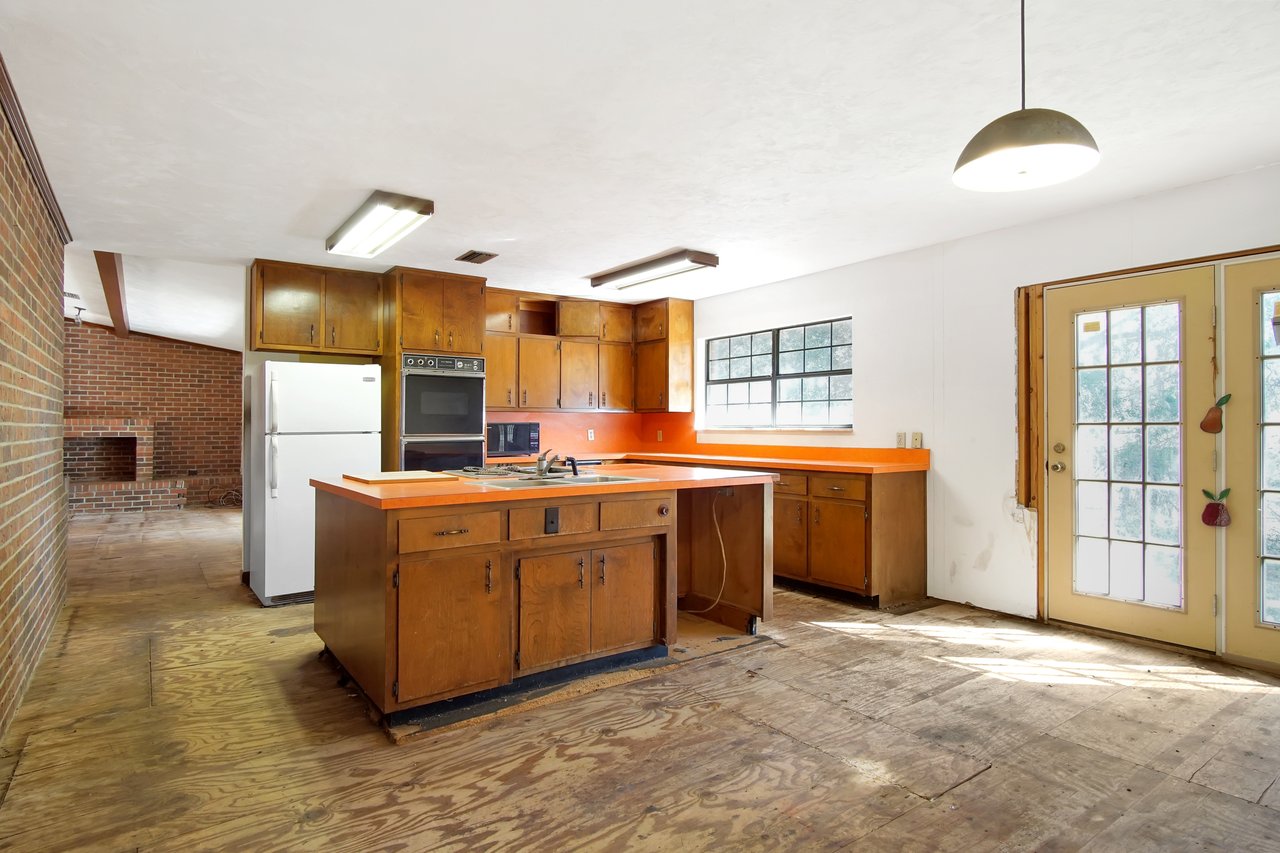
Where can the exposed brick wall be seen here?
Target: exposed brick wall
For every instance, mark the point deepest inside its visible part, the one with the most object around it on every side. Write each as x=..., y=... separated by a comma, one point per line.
x=33, y=501
x=99, y=458
x=190, y=392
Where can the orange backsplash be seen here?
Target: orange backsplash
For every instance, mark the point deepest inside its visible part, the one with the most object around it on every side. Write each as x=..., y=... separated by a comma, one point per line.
x=566, y=433
x=679, y=436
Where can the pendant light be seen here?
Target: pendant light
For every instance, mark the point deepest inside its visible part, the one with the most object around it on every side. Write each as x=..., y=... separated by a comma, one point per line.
x=1026, y=149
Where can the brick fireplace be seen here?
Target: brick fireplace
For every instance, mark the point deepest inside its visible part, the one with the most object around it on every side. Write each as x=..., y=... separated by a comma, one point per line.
x=110, y=465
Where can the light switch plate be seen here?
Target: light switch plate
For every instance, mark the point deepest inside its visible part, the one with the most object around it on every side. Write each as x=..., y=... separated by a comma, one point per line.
x=902, y=439
x=591, y=435
x=917, y=439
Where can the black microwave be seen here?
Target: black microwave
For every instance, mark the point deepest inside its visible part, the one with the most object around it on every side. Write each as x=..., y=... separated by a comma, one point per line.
x=513, y=439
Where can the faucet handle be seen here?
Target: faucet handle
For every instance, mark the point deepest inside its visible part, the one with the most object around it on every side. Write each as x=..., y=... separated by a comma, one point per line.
x=543, y=454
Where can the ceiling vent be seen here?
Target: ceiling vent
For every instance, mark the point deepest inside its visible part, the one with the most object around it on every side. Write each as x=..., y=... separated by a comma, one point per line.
x=67, y=294
x=475, y=257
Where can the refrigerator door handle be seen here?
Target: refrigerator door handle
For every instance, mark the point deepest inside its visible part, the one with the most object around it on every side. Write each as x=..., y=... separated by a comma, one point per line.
x=275, y=467
x=273, y=416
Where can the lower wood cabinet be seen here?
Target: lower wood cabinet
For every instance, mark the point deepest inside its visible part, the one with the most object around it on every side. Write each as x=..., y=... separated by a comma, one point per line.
x=453, y=626
x=580, y=604
x=838, y=543
x=790, y=536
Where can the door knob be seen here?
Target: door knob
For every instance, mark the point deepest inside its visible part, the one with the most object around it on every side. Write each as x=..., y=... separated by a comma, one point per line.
x=1057, y=466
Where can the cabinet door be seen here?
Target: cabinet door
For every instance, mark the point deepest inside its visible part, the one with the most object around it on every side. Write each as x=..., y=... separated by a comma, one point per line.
x=651, y=321
x=500, y=310
x=470, y=595
x=555, y=609
x=290, y=308
x=500, y=372
x=352, y=311
x=617, y=377
x=791, y=537
x=578, y=319
x=838, y=543
x=463, y=317
x=579, y=375
x=624, y=596
x=421, y=321
x=651, y=376
x=539, y=373
x=616, y=322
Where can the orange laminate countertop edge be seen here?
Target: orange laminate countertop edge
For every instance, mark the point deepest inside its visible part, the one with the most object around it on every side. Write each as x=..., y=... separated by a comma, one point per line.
x=743, y=461
x=464, y=492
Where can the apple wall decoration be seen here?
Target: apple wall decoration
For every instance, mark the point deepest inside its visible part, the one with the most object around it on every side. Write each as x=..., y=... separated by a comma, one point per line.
x=1215, y=512
x=1213, y=418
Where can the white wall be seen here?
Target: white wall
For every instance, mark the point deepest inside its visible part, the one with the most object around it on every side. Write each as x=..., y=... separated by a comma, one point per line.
x=934, y=351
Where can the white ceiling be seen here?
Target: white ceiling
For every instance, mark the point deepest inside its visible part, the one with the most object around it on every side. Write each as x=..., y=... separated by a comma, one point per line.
x=572, y=136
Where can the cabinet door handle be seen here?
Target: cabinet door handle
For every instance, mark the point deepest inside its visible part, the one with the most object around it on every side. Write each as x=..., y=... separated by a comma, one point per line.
x=661, y=394
x=333, y=336
x=603, y=395
x=524, y=397
x=437, y=337
x=456, y=532
x=488, y=576
x=660, y=331
x=817, y=516
x=799, y=514
x=602, y=570
x=591, y=399
x=508, y=322
x=582, y=572
x=313, y=333
x=508, y=396
x=451, y=340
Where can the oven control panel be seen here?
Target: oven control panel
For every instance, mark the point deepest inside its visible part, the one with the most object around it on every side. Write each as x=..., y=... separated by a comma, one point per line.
x=442, y=364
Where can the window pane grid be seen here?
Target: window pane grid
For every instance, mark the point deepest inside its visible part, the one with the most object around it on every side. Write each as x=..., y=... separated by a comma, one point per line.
x=1268, y=560
x=1128, y=456
x=795, y=376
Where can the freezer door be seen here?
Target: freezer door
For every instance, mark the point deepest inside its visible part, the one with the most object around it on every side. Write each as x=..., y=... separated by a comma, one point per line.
x=306, y=398
x=288, y=530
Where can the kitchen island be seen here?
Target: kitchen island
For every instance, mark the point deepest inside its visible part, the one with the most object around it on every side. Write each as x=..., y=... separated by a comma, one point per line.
x=429, y=591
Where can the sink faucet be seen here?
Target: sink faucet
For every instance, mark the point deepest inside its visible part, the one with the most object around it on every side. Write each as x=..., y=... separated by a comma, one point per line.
x=544, y=463
x=573, y=463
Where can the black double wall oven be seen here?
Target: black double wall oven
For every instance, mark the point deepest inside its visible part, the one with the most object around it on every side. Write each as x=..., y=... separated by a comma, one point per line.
x=442, y=412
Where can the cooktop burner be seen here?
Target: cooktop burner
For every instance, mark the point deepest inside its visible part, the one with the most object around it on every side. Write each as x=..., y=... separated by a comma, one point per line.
x=480, y=472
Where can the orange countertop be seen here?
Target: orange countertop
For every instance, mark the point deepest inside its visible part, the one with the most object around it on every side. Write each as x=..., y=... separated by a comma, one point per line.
x=460, y=491
x=860, y=467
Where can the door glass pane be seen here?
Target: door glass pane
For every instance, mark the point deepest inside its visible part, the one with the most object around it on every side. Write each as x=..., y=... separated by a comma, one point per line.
x=1268, y=438
x=1128, y=460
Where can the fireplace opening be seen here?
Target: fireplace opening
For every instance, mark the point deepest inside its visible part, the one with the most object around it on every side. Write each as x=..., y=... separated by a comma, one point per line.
x=100, y=459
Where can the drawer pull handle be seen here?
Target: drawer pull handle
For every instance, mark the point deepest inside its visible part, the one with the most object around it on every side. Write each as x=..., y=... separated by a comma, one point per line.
x=836, y=488
x=488, y=576
x=453, y=532
x=664, y=510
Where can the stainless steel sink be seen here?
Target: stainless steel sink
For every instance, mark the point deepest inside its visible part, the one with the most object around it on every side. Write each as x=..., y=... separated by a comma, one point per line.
x=540, y=482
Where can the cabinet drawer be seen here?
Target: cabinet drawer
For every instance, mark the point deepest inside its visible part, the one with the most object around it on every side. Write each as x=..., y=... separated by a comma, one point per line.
x=852, y=487
x=649, y=512
x=449, y=531
x=790, y=483
x=531, y=522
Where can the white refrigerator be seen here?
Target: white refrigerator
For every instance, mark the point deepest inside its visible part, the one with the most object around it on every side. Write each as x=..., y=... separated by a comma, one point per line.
x=305, y=421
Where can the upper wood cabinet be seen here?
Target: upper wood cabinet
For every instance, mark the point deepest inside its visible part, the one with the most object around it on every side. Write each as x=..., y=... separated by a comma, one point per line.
x=500, y=381
x=577, y=319
x=664, y=356
x=579, y=375
x=617, y=377
x=301, y=308
x=616, y=322
x=501, y=310
x=539, y=373
x=438, y=312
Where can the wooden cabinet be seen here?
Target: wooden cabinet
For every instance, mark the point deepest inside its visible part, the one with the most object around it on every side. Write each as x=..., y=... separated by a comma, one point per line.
x=299, y=308
x=453, y=626
x=664, y=356
x=838, y=543
x=790, y=536
x=579, y=375
x=539, y=371
x=577, y=319
x=585, y=603
x=439, y=312
x=616, y=322
x=617, y=377
x=500, y=381
x=501, y=308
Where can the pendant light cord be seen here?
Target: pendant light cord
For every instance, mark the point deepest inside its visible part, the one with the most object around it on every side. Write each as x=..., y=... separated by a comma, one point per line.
x=1022, y=19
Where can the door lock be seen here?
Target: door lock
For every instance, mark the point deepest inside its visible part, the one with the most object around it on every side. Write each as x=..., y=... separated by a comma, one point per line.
x=1059, y=447
x=1057, y=466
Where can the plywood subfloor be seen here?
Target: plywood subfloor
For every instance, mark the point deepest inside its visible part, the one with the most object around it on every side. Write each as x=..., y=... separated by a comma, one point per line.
x=172, y=713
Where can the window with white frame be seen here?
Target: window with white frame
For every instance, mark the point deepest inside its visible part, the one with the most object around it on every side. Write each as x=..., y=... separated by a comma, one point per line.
x=791, y=377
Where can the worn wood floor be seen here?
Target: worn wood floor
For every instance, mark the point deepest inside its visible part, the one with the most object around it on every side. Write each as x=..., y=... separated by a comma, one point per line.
x=170, y=713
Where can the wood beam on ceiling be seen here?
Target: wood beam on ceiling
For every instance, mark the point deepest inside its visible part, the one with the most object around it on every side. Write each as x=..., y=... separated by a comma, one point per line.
x=111, y=269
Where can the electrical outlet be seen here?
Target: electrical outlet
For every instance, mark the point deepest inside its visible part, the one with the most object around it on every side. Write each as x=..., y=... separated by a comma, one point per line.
x=902, y=439
x=659, y=435
x=917, y=439
x=591, y=435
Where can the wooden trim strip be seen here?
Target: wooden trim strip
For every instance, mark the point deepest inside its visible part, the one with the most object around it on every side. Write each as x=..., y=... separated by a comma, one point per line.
x=27, y=145
x=111, y=270
x=1188, y=262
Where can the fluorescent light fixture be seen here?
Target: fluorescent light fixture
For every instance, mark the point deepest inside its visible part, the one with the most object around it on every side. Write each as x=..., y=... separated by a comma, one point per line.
x=685, y=260
x=1026, y=149
x=384, y=219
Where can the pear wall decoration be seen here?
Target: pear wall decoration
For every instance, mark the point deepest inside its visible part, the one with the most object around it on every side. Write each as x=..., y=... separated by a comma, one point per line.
x=1215, y=512
x=1213, y=418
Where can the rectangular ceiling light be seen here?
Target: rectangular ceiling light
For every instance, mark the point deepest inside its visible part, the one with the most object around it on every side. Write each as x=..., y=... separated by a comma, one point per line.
x=380, y=222
x=685, y=260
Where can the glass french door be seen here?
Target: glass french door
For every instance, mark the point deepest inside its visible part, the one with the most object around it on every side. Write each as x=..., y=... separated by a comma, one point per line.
x=1129, y=368
x=1252, y=433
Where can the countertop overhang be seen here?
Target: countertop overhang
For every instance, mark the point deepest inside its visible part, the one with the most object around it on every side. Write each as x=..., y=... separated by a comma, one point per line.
x=870, y=466
x=658, y=478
